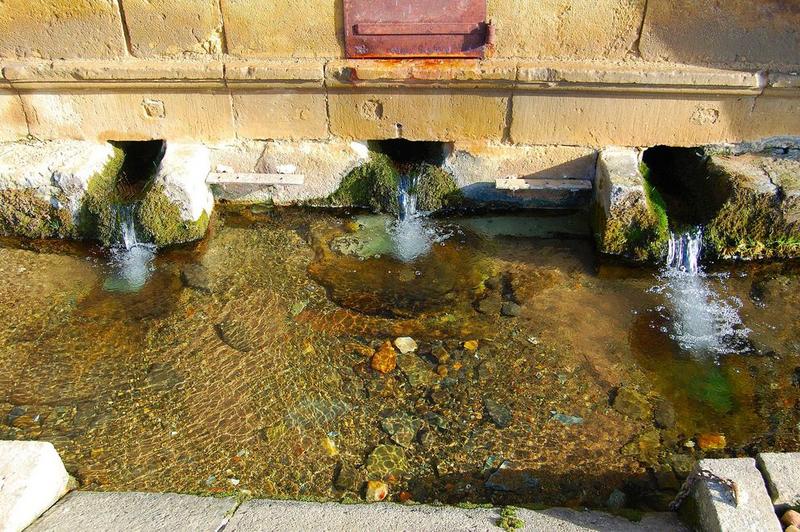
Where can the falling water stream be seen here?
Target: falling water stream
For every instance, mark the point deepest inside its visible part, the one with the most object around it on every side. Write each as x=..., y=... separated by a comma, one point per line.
x=131, y=261
x=703, y=320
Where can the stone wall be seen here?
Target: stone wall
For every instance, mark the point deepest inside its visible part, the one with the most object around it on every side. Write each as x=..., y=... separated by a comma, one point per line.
x=573, y=72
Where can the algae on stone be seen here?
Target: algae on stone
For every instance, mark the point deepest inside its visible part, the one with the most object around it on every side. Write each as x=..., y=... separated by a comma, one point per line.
x=162, y=221
x=373, y=185
x=24, y=213
x=633, y=223
x=756, y=220
x=436, y=189
x=97, y=219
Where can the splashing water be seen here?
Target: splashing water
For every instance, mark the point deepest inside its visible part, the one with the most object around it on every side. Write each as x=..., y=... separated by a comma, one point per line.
x=131, y=261
x=412, y=234
x=703, y=320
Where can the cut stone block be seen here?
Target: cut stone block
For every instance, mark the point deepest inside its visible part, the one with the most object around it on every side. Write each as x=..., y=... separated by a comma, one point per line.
x=133, y=512
x=781, y=472
x=481, y=170
x=719, y=511
x=760, y=214
x=178, y=205
x=322, y=164
x=32, y=479
x=260, y=515
x=625, y=220
x=43, y=184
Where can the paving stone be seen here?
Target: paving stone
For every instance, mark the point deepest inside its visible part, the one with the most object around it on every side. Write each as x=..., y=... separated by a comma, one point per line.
x=781, y=473
x=82, y=510
x=32, y=478
x=263, y=515
x=719, y=511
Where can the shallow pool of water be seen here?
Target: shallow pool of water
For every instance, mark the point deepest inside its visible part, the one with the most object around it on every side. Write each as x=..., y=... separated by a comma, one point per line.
x=239, y=364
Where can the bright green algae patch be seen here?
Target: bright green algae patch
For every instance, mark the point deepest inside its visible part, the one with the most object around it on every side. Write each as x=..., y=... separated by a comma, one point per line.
x=163, y=223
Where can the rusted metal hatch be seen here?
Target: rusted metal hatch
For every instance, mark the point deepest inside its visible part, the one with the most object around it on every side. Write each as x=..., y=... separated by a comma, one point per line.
x=415, y=28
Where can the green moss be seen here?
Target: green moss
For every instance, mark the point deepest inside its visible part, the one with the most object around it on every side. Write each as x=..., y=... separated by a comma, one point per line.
x=749, y=224
x=436, y=189
x=161, y=219
x=508, y=519
x=24, y=213
x=96, y=219
x=635, y=231
x=372, y=185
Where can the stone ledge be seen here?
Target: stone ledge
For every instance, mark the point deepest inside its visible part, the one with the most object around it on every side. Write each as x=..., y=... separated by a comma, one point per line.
x=460, y=74
x=135, y=511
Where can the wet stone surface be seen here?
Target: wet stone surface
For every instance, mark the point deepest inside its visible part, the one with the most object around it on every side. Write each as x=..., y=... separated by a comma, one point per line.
x=244, y=365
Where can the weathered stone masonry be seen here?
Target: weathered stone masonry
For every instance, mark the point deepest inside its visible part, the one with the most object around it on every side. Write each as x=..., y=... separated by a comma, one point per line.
x=266, y=86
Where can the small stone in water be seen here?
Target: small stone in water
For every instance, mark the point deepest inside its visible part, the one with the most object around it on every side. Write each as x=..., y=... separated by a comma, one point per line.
x=376, y=491
x=405, y=345
x=664, y=414
x=330, y=446
x=500, y=414
x=385, y=359
x=196, y=276
x=298, y=307
x=791, y=518
x=508, y=478
x=711, y=442
x=632, y=404
x=565, y=419
x=511, y=309
x=616, y=500
x=471, y=345
x=348, y=478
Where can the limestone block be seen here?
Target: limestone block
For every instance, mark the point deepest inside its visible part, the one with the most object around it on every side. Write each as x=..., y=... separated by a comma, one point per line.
x=418, y=115
x=32, y=478
x=178, y=204
x=597, y=119
x=281, y=114
x=758, y=212
x=283, y=28
x=135, y=512
x=292, y=515
x=716, y=509
x=566, y=29
x=476, y=166
x=322, y=164
x=57, y=29
x=626, y=220
x=733, y=32
x=781, y=472
x=13, y=125
x=130, y=115
x=42, y=185
x=182, y=173
x=174, y=27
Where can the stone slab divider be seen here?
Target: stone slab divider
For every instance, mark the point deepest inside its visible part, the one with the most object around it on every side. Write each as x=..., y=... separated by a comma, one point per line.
x=781, y=473
x=722, y=510
x=32, y=478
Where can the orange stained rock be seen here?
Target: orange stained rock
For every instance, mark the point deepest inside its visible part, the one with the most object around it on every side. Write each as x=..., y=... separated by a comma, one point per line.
x=711, y=441
x=385, y=359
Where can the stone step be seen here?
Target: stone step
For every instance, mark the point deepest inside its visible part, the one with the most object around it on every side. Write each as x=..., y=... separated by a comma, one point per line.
x=747, y=508
x=32, y=478
x=228, y=178
x=543, y=184
x=134, y=512
x=781, y=473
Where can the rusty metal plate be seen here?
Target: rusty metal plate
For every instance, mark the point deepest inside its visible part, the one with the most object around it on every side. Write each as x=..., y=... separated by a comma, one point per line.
x=415, y=28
